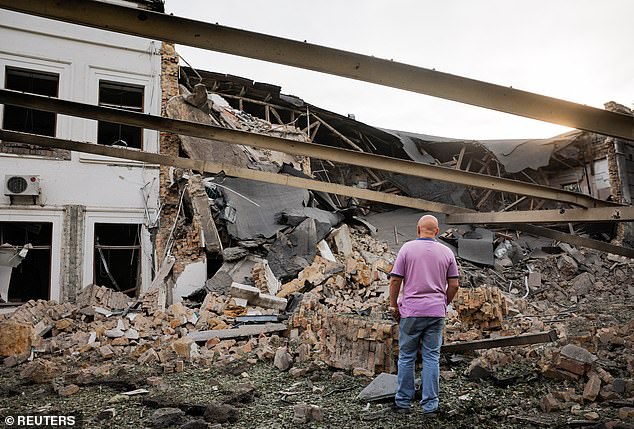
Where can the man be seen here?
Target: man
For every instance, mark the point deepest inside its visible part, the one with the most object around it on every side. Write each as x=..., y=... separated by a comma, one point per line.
x=429, y=275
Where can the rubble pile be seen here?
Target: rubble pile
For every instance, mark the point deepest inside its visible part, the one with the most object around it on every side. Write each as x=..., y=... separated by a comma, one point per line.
x=366, y=345
x=90, y=328
x=483, y=308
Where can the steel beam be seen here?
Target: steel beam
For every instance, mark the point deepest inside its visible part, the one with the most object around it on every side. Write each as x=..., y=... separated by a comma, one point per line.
x=490, y=343
x=230, y=170
x=264, y=47
x=572, y=239
x=281, y=179
x=599, y=214
x=293, y=147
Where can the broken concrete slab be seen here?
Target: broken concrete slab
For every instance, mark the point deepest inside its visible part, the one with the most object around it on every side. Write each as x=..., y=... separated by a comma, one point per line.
x=340, y=240
x=382, y=387
x=244, y=291
x=242, y=331
x=200, y=204
x=296, y=216
x=255, y=297
x=295, y=250
x=325, y=251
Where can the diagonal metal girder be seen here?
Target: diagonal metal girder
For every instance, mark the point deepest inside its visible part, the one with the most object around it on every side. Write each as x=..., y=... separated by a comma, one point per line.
x=293, y=147
x=298, y=182
x=264, y=47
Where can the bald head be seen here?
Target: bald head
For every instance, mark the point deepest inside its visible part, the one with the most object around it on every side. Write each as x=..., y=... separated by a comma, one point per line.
x=427, y=227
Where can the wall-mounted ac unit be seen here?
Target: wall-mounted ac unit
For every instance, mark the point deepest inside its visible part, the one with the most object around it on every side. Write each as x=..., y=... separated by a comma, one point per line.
x=21, y=185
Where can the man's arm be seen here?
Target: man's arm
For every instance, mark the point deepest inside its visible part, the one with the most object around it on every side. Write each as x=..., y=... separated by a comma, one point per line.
x=395, y=288
x=452, y=289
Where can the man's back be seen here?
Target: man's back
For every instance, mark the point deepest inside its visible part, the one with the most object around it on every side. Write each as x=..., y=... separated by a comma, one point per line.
x=425, y=265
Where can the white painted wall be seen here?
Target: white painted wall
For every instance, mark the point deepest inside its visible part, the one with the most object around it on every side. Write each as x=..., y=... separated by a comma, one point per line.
x=193, y=277
x=110, y=189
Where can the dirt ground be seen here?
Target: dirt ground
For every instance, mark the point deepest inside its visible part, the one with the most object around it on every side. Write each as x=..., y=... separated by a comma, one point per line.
x=271, y=397
x=260, y=396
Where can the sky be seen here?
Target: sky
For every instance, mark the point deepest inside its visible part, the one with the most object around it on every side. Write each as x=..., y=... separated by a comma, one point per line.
x=576, y=50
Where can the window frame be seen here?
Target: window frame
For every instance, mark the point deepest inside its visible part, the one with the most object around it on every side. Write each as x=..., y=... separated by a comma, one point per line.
x=139, y=109
x=151, y=103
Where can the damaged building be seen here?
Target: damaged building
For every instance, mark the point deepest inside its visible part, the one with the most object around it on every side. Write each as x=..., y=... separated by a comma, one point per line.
x=188, y=221
x=70, y=218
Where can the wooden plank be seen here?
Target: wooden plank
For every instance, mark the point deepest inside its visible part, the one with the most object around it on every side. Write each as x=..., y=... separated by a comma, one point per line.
x=277, y=116
x=242, y=331
x=489, y=343
x=460, y=156
x=349, y=142
x=513, y=204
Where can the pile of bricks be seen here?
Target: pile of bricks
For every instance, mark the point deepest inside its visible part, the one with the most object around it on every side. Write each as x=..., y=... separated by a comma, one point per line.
x=345, y=341
x=100, y=296
x=482, y=308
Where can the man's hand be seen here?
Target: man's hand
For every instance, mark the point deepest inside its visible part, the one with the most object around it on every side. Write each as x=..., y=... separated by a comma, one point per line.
x=396, y=315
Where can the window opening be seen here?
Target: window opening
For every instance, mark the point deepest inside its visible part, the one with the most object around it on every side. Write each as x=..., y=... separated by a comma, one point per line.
x=117, y=260
x=26, y=120
x=120, y=96
x=31, y=278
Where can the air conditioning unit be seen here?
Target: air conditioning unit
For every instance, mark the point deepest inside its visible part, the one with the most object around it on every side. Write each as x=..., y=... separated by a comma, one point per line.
x=21, y=185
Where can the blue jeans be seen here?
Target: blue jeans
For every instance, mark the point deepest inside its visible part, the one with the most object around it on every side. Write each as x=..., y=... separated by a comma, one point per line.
x=411, y=330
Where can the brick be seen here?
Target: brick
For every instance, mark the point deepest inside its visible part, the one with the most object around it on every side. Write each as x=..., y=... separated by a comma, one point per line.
x=560, y=374
x=592, y=388
x=185, y=347
x=69, y=390
x=106, y=352
x=148, y=357
x=549, y=403
x=15, y=338
x=626, y=413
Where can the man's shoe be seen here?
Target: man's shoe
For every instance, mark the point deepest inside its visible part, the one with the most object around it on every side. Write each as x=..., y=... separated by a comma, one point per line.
x=401, y=410
x=432, y=414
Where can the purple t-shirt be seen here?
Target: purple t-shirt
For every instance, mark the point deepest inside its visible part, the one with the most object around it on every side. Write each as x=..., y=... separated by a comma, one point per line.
x=425, y=265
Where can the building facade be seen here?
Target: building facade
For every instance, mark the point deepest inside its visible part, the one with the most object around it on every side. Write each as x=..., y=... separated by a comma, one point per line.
x=90, y=217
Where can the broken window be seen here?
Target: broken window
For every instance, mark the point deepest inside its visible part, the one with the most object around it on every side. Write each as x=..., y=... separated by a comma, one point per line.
x=117, y=260
x=572, y=187
x=30, y=120
x=602, y=179
x=25, y=272
x=120, y=96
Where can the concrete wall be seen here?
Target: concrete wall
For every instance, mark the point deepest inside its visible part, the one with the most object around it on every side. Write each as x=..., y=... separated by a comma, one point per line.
x=109, y=190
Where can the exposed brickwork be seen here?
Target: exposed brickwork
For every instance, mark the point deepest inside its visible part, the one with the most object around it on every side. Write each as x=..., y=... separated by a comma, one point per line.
x=187, y=247
x=72, y=251
x=32, y=150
